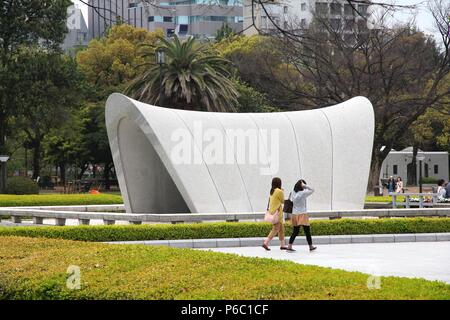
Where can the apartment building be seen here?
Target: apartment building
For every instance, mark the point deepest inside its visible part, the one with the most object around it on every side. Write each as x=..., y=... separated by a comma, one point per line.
x=298, y=14
x=77, y=30
x=200, y=18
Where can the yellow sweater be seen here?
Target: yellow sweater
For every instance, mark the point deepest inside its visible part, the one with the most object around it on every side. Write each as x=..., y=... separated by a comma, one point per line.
x=276, y=202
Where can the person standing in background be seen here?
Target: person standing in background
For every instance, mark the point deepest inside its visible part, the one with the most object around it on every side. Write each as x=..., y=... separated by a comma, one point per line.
x=399, y=185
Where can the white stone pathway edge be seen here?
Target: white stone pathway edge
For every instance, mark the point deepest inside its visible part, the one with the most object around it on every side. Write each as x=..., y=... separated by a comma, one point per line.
x=335, y=239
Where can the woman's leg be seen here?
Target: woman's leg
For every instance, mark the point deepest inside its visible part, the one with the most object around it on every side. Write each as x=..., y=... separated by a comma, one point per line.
x=294, y=235
x=308, y=237
x=273, y=233
x=281, y=236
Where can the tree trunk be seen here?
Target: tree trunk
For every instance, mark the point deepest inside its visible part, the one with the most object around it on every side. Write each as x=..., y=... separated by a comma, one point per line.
x=2, y=134
x=62, y=172
x=36, y=158
x=374, y=173
x=106, y=176
x=375, y=167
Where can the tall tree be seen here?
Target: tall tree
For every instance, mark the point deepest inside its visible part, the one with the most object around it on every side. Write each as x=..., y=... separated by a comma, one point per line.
x=108, y=64
x=192, y=78
x=25, y=22
x=49, y=87
x=401, y=71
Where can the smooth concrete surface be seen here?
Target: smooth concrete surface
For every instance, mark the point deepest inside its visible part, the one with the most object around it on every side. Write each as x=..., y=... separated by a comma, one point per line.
x=329, y=147
x=428, y=260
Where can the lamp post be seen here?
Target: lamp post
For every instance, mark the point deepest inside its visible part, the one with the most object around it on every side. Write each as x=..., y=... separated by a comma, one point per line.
x=420, y=158
x=3, y=172
x=161, y=60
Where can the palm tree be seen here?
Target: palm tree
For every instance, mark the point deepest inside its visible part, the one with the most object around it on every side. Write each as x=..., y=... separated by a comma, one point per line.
x=192, y=78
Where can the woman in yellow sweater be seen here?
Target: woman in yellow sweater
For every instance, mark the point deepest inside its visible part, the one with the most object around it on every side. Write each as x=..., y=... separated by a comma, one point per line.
x=276, y=201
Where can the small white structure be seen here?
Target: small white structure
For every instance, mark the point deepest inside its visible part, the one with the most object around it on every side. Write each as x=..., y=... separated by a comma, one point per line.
x=435, y=164
x=175, y=161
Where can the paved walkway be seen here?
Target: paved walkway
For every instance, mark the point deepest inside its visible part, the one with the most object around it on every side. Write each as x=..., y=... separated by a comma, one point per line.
x=429, y=260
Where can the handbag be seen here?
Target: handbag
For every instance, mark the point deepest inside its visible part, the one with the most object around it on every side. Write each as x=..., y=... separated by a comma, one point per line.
x=272, y=218
x=288, y=205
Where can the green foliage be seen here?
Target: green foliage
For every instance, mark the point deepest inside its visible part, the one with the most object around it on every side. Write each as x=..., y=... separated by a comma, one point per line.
x=429, y=180
x=224, y=32
x=193, y=77
x=21, y=185
x=58, y=199
x=37, y=269
x=250, y=100
x=259, y=62
x=431, y=131
x=24, y=23
x=383, y=199
x=48, y=88
x=109, y=62
x=227, y=229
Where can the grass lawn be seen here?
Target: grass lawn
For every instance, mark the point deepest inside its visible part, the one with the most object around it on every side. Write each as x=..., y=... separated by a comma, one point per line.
x=227, y=229
x=11, y=200
x=383, y=199
x=36, y=268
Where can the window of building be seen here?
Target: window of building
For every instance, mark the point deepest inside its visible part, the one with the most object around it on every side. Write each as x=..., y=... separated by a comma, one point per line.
x=349, y=24
x=182, y=20
x=335, y=24
x=436, y=169
x=363, y=9
x=425, y=169
x=303, y=6
x=335, y=8
x=167, y=19
x=395, y=169
x=132, y=5
x=348, y=10
x=151, y=18
x=285, y=9
x=322, y=7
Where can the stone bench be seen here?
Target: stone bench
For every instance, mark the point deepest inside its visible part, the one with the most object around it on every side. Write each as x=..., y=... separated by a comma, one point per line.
x=109, y=218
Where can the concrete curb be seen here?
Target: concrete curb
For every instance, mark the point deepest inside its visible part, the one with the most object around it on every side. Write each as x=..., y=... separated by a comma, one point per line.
x=253, y=242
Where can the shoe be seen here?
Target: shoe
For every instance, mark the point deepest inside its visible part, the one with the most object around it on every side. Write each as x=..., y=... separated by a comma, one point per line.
x=312, y=248
x=283, y=248
x=291, y=249
x=265, y=247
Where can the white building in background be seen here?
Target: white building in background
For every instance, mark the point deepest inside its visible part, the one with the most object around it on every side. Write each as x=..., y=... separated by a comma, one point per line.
x=435, y=164
x=298, y=14
x=78, y=33
x=199, y=18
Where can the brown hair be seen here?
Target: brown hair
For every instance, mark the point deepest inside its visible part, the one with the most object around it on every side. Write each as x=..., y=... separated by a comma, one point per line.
x=276, y=183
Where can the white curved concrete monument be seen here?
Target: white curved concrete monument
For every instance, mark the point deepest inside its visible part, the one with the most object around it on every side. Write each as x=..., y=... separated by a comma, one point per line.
x=175, y=161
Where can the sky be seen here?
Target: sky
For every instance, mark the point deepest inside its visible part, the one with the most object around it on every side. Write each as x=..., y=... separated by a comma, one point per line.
x=424, y=20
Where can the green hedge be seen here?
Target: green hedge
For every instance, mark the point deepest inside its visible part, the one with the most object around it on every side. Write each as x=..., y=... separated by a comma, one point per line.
x=58, y=199
x=228, y=229
x=21, y=185
x=38, y=269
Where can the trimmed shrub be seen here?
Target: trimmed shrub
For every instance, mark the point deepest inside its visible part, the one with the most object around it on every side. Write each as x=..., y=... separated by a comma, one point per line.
x=58, y=199
x=21, y=185
x=228, y=229
x=429, y=180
